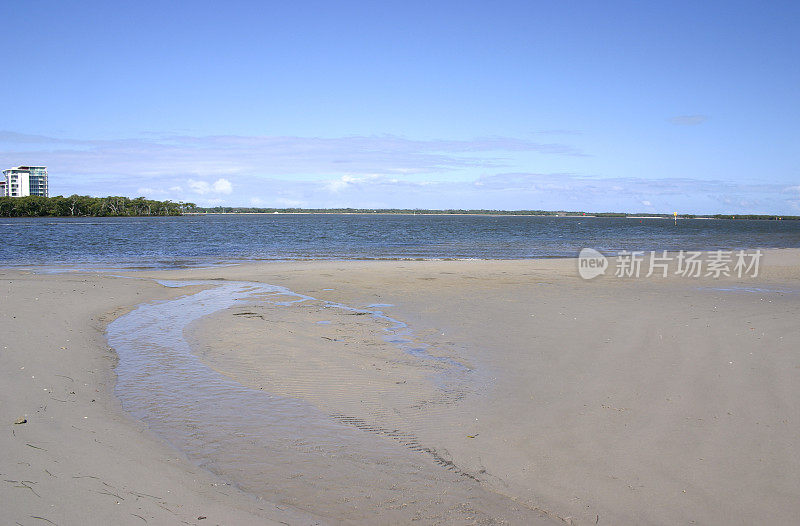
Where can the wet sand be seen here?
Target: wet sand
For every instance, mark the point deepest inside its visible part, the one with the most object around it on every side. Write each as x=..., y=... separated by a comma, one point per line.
x=518, y=391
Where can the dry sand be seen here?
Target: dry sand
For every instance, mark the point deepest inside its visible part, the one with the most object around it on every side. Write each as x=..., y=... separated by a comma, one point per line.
x=611, y=401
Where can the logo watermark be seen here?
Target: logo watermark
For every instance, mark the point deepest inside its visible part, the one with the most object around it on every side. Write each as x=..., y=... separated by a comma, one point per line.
x=684, y=263
x=591, y=263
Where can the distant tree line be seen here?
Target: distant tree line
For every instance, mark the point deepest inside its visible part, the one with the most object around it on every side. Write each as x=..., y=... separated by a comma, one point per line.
x=755, y=216
x=554, y=213
x=83, y=205
x=419, y=211
x=113, y=206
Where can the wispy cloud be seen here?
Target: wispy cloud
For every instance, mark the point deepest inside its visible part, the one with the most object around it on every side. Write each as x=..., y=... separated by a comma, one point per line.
x=626, y=194
x=369, y=172
x=689, y=120
x=553, y=191
x=557, y=191
x=220, y=156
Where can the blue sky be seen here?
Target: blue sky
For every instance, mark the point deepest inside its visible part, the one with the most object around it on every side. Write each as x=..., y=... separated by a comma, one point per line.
x=623, y=106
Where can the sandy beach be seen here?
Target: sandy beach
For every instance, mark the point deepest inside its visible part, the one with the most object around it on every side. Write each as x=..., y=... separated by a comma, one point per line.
x=455, y=392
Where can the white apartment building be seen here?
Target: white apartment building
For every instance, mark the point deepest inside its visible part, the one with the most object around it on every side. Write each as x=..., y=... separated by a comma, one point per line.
x=24, y=180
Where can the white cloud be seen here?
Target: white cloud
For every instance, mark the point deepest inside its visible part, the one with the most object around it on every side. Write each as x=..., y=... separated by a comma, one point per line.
x=340, y=184
x=645, y=202
x=220, y=186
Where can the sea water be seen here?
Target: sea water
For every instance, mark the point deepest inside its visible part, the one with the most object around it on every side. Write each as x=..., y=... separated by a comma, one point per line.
x=189, y=241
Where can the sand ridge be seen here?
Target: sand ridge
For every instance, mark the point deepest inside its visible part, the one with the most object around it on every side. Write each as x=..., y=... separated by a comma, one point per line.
x=649, y=401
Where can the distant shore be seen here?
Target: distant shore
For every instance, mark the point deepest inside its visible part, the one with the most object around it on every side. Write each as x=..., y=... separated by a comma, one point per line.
x=120, y=206
x=512, y=213
x=482, y=214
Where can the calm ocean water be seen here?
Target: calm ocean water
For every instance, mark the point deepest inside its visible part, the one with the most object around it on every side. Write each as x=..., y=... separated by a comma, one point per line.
x=169, y=242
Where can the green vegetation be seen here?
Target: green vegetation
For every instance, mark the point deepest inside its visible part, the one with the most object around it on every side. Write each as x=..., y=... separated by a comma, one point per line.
x=417, y=211
x=245, y=210
x=409, y=211
x=753, y=216
x=83, y=205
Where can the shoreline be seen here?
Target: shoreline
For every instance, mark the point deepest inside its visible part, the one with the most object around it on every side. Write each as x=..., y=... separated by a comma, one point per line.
x=385, y=214
x=501, y=214
x=104, y=267
x=455, y=285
